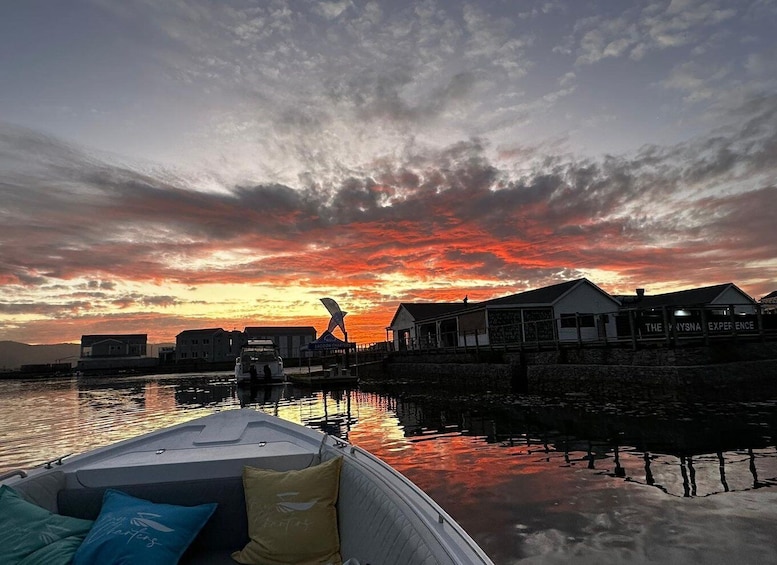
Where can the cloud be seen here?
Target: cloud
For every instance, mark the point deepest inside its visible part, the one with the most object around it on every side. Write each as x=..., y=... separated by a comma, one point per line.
x=434, y=213
x=656, y=27
x=398, y=152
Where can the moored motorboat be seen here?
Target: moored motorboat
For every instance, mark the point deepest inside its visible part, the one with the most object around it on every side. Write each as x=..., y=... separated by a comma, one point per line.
x=380, y=516
x=259, y=361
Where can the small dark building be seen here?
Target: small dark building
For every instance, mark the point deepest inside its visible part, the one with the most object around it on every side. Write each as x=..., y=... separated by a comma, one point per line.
x=114, y=345
x=212, y=345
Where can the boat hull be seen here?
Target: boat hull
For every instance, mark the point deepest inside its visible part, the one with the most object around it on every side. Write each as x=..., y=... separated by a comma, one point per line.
x=267, y=372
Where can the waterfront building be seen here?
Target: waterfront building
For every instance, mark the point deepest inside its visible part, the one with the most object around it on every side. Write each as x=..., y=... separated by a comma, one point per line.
x=114, y=345
x=166, y=355
x=216, y=345
x=719, y=296
x=403, y=324
x=769, y=303
x=709, y=310
x=576, y=310
x=288, y=339
x=212, y=345
x=103, y=352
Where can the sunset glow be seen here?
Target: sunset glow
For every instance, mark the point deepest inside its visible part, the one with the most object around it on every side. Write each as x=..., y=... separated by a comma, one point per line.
x=177, y=166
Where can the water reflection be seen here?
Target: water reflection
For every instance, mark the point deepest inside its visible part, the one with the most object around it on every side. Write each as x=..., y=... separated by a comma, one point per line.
x=262, y=395
x=525, y=477
x=684, y=450
x=693, y=450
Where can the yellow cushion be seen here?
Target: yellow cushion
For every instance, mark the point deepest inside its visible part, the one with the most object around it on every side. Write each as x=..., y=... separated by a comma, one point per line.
x=292, y=516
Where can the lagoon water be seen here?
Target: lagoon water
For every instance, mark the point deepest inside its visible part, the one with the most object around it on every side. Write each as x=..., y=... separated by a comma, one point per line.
x=532, y=480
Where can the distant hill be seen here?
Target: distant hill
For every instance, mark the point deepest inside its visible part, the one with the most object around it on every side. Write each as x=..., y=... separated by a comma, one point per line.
x=13, y=354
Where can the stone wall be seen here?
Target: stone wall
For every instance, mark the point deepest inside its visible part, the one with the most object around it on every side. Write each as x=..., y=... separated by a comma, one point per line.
x=598, y=371
x=723, y=352
x=686, y=380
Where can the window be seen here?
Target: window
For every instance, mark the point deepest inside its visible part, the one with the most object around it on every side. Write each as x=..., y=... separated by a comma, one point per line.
x=569, y=320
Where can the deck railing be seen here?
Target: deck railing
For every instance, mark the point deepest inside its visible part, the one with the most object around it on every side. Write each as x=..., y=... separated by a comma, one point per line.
x=630, y=327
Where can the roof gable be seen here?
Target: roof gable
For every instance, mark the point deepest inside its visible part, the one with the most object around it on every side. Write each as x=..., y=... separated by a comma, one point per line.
x=423, y=310
x=205, y=331
x=545, y=296
x=771, y=296
x=88, y=340
x=689, y=297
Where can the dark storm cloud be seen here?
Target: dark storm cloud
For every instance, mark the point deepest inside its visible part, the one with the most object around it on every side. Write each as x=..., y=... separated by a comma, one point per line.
x=67, y=213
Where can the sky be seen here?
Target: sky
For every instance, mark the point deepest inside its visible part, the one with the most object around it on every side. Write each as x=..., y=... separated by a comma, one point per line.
x=191, y=164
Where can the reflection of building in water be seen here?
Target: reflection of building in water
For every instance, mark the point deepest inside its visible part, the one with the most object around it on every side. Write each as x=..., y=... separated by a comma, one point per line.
x=331, y=413
x=203, y=394
x=264, y=395
x=110, y=395
x=683, y=454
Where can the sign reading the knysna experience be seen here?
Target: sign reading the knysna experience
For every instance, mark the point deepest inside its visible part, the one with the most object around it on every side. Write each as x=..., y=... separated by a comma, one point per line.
x=652, y=325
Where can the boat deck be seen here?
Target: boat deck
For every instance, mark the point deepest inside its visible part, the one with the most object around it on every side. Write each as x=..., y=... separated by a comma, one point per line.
x=324, y=377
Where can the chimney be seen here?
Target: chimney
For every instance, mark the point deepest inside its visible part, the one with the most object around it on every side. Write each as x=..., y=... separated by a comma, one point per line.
x=640, y=293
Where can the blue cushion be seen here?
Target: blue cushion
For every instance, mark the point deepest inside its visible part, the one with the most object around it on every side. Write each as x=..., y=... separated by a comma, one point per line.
x=32, y=535
x=133, y=530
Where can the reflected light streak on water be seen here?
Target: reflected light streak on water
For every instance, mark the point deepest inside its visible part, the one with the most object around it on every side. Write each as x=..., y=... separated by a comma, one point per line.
x=526, y=491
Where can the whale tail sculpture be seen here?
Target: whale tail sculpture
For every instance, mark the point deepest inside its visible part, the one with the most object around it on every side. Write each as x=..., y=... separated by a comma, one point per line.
x=336, y=313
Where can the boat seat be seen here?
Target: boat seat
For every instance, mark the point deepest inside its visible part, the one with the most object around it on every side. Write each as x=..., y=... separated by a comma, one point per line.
x=366, y=509
x=42, y=490
x=226, y=531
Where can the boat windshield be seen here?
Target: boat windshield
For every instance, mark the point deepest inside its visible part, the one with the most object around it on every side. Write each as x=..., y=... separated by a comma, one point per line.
x=251, y=356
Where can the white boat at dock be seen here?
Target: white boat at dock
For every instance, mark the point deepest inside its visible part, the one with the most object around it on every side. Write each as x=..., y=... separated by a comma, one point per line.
x=380, y=517
x=259, y=361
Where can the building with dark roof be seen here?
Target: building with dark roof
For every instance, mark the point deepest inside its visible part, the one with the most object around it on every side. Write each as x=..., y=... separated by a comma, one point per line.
x=108, y=352
x=113, y=345
x=575, y=310
x=769, y=303
x=212, y=345
x=403, y=324
x=704, y=311
x=720, y=295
